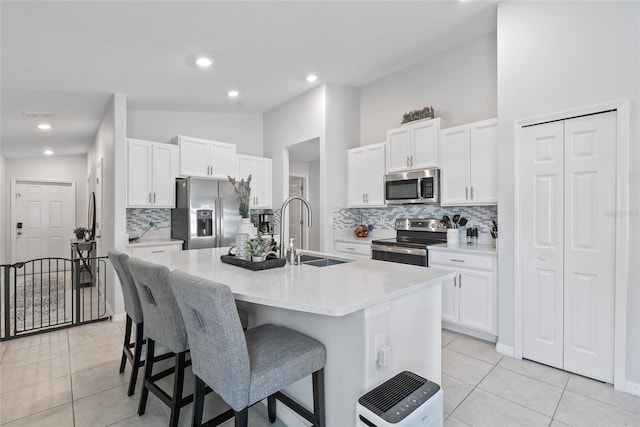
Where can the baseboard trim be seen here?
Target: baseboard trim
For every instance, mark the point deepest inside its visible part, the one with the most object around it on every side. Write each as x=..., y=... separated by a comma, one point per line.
x=633, y=388
x=507, y=350
x=121, y=317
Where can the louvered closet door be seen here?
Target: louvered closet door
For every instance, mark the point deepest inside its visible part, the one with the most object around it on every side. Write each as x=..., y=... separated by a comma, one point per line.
x=568, y=244
x=542, y=244
x=589, y=254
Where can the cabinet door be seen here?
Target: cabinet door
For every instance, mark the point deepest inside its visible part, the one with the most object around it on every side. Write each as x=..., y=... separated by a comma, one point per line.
x=164, y=174
x=476, y=295
x=455, y=165
x=139, y=164
x=398, y=149
x=222, y=159
x=484, y=163
x=263, y=175
x=357, y=160
x=450, y=300
x=374, y=194
x=425, y=145
x=194, y=157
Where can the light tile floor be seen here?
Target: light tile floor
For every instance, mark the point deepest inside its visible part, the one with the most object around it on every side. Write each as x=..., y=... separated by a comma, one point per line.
x=70, y=378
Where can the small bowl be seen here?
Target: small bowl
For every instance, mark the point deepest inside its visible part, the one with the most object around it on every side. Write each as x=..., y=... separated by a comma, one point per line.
x=362, y=233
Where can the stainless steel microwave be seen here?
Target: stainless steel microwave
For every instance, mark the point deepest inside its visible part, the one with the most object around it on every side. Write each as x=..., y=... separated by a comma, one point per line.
x=417, y=186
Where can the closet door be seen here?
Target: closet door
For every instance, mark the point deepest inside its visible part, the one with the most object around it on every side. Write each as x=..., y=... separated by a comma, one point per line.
x=542, y=243
x=589, y=254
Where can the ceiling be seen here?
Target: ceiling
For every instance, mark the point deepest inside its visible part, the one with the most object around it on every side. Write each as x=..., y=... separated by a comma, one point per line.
x=68, y=57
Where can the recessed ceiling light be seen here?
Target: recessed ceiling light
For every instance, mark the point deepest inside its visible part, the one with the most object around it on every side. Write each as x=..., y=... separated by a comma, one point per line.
x=204, y=62
x=47, y=152
x=233, y=93
x=312, y=78
x=44, y=126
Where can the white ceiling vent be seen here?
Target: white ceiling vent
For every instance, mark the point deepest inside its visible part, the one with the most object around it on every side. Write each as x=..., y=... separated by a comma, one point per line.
x=37, y=114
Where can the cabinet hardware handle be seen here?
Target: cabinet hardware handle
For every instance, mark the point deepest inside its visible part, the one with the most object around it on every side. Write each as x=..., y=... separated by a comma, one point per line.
x=411, y=160
x=472, y=192
x=366, y=197
x=460, y=281
x=466, y=193
x=455, y=281
x=407, y=160
x=154, y=197
x=456, y=260
x=157, y=252
x=351, y=249
x=149, y=197
x=362, y=197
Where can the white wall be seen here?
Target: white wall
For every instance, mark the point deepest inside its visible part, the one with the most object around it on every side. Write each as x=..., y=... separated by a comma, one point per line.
x=314, y=200
x=554, y=56
x=4, y=252
x=244, y=130
x=460, y=84
x=63, y=168
x=110, y=146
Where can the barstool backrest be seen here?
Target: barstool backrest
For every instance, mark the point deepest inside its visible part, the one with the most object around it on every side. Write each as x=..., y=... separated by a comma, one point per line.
x=218, y=346
x=129, y=291
x=162, y=319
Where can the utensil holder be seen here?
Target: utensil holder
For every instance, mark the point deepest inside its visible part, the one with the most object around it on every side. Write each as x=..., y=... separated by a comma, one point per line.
x=453, y=236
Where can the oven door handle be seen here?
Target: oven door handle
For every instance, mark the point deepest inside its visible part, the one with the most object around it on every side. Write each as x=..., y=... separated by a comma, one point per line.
x=399, y=250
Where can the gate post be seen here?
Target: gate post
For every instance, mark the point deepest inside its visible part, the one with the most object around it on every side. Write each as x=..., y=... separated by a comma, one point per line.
x=77, y=286
x=7, y=302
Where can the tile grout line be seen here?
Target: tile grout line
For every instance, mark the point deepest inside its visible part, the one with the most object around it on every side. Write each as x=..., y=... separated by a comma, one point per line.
x=553, y=417
x=73, y=406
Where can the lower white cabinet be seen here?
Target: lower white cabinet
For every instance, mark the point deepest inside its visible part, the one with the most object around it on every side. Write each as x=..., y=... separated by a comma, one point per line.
x=143, y=250
x=360, y=249
x=469, y=299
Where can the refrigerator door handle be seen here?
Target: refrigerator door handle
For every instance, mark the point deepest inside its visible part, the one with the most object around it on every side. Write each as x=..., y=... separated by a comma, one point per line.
x=220, y=221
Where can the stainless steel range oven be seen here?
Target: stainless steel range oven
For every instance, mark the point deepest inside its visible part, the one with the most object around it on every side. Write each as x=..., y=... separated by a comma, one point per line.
x=411, y=241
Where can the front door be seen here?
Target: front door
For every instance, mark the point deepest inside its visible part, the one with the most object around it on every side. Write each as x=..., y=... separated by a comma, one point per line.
x=43, y=215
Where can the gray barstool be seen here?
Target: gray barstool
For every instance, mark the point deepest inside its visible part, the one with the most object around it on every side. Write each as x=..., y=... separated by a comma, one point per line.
x=244, y=368
x=163, y=324
x=134, y=316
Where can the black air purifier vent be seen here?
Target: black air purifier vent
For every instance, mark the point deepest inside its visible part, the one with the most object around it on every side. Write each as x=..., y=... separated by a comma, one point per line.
x=386, y=395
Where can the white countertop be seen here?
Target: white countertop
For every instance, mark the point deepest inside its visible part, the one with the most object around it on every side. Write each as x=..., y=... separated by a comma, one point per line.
x=143, y=243
x=336, y=290
x=465, y=248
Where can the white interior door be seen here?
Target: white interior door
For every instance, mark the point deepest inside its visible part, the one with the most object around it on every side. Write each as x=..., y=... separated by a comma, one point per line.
x=568, y=256
x=542, y=244
x=589, y=245
x=43, y=215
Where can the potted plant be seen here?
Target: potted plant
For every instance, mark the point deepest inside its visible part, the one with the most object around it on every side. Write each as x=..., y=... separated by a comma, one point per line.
x=80, y=232
x=259, y=248
x=243, y=193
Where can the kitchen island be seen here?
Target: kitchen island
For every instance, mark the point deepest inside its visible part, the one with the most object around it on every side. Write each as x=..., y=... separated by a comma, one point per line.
x=352, y=308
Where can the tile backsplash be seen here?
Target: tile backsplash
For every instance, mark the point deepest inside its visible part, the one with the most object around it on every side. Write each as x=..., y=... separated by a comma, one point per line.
x=384, y=218
x=138, y=220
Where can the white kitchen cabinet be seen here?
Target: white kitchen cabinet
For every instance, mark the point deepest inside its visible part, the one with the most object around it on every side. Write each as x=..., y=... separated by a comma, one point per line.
x=366, y=167
x=144, y=250
x=469, y=164
x=151, y=173
x=357, y=249
x=206, y=159
x=414, y=146
x=260, y=169
x=468, y=300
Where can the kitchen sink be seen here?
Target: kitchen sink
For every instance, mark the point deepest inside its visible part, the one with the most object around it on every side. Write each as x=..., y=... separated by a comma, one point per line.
x=317, y=261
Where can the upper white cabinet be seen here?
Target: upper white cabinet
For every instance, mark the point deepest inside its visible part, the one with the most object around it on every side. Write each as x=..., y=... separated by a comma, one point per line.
x=261, y=177
x=366, y=176
x=151, y=173
x=414, y=146
x=469, y=164
x=207, y=159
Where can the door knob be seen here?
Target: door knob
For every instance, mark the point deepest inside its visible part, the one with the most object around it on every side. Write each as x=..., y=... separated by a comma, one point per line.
x=19, y=233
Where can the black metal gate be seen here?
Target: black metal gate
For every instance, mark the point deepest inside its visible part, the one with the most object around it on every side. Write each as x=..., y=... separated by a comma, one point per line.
x=51, y=293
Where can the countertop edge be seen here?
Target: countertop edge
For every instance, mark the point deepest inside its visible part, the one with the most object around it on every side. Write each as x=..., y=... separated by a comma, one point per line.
x=464, y=248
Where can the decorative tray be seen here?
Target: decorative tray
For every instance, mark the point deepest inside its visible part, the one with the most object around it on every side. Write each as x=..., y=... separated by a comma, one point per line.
x=254, y=266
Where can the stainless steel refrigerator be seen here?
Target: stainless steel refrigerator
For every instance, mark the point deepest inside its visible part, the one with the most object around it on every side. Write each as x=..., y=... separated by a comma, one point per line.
x=206, y=213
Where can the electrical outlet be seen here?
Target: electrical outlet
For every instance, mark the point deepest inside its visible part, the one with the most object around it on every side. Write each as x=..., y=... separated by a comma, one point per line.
x=384, y=355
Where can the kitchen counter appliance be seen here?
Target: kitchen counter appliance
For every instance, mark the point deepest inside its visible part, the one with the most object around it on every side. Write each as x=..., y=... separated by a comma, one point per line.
x=206, y=213
x=411, y=241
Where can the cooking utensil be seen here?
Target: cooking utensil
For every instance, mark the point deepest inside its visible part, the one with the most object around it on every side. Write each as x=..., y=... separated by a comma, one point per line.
x=447, y=220
x=463, y=221
x=456, y=218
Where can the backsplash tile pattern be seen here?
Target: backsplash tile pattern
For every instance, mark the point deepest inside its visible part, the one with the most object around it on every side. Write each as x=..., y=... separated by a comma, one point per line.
x=138, y=219
x=384, y=218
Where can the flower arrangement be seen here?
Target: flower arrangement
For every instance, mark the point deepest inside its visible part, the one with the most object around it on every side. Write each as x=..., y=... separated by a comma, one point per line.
x=243, y=192
x=363, y=230
x=80, y=232
x=259, y=247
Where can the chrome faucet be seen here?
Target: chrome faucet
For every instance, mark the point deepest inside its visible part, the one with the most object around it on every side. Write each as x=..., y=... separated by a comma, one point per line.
x=285, y=204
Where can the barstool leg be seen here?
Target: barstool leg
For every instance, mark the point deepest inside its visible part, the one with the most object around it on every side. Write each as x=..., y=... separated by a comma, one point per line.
x=148, y=367
x=137, y=355
x=318, y=397
x=198, y=401
x=178, y=384
x=271, y=408
x=127, y=340
x=242, y=418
